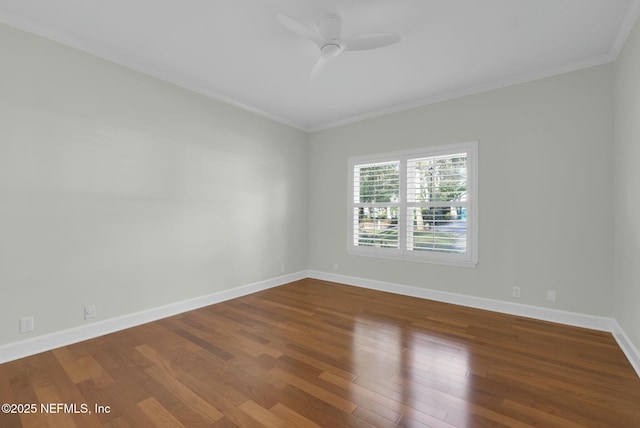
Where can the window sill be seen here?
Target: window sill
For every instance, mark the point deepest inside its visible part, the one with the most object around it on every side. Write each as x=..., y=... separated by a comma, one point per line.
x=420, y=257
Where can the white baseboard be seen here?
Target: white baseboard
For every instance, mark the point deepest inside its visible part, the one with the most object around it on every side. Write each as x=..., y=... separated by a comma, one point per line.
x=631, y=352
x=24, y=348
x=545, y=314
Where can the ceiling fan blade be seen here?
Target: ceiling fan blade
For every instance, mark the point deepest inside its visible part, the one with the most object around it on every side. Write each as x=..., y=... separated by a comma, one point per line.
x=317, y=69
x=300, y=29
x=371, y=41
x=325, y=56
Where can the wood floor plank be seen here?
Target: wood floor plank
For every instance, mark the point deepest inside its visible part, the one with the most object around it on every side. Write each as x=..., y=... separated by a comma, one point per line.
x=158, y=414
x=370, y=401
x=123, y=405
x=7, y=419
x=70, y=365
x=328, y=397
x=261, y=415
x=292, y=418
x=118, y=422
x=48, y=394
x=316, y=353
x=169, y=381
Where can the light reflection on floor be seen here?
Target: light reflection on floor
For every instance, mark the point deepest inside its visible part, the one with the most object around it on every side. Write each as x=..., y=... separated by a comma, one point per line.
x=426, y=375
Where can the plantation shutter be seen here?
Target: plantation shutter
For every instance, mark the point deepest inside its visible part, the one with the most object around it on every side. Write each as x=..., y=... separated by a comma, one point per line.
x=437, y=204
x=376, y=193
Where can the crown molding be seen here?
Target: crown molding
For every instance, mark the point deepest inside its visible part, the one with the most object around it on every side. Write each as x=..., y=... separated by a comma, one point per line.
x=628, y=22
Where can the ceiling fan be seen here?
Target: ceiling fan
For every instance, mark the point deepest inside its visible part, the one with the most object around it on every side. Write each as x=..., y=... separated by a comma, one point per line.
x=328, y=38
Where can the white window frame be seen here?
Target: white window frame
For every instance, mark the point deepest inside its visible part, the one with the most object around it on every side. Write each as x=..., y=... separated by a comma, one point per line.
x=470, y=257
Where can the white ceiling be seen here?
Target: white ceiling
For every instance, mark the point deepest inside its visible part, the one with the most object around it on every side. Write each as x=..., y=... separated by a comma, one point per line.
x=237, y=51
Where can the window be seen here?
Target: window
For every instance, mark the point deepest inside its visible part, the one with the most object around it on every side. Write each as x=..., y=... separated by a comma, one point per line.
x=419, y=205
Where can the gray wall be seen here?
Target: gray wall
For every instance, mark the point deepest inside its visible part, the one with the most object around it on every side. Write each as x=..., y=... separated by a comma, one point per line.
x=627, y=188
x=545, y=180
x=119, y=190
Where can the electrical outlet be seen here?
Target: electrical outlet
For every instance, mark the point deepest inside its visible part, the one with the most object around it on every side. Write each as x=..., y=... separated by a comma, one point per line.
x=336, y=266
x=551, y=295
x=26, y=324
x=89, y=312
x=282, y=268
x=516, y=291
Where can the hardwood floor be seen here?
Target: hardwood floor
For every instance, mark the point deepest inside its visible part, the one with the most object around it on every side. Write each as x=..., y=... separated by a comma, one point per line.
x=314, y=353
